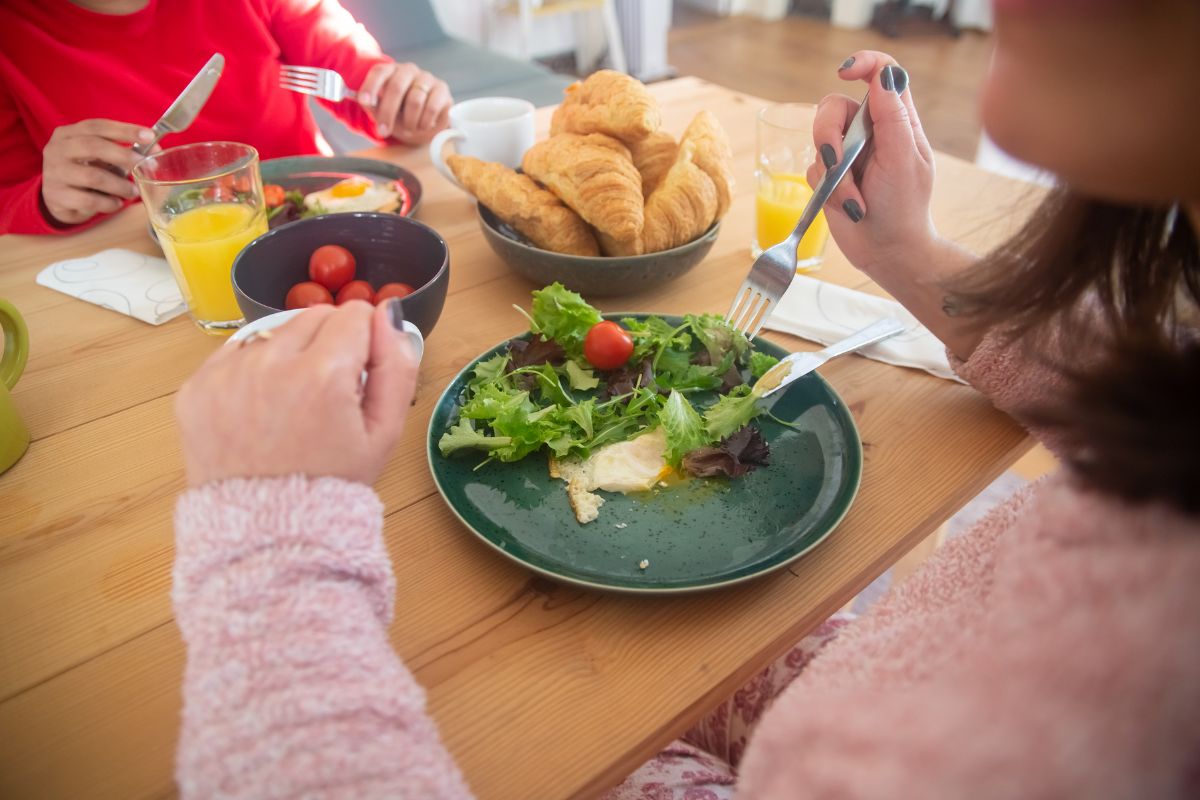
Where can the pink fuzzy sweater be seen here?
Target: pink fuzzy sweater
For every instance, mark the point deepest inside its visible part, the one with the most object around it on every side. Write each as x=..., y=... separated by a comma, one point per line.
x=1052, y=652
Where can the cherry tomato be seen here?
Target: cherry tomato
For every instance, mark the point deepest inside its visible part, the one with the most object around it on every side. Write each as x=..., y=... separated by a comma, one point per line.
x=332, y=266
x=356, y=290
x=241, y=184
x=393, y=290
x=307, y=293
x=607, y=345
x=273, y=195
x=220, y=193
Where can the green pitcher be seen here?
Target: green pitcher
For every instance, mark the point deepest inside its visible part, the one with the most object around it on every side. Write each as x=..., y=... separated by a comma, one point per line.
x=14, y=435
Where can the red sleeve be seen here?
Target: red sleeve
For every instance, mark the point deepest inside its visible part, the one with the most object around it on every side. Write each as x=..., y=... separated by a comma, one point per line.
x=320, y=33
x=20, y=176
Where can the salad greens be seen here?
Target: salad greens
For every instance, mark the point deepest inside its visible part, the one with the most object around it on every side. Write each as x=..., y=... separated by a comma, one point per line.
x=542, y=392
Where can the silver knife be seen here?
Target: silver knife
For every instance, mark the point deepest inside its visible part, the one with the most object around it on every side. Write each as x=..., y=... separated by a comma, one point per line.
x=183, y=111
x=797, y=365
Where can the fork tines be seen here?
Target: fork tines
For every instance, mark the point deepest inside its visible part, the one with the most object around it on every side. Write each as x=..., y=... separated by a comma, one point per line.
x=306, y=80
x=750, y=309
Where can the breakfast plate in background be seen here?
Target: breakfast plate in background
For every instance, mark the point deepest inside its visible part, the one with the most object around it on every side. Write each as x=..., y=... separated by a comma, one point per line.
x=342, y=183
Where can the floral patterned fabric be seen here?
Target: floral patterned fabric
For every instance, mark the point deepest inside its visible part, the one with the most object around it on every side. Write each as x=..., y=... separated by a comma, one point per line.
x=703, y=764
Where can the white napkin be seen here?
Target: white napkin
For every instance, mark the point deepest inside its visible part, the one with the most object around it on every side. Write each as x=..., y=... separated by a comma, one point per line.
x=824, y=312
x=130, y=283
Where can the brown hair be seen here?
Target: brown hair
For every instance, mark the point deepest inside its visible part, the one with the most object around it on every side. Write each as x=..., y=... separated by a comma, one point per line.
x=1112, y=279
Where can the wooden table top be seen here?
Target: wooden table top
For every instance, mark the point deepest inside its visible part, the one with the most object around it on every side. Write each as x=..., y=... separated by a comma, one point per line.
x=540, y=690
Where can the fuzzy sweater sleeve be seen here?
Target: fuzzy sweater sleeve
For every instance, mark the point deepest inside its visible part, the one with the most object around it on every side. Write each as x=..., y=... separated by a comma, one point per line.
x=283, y=592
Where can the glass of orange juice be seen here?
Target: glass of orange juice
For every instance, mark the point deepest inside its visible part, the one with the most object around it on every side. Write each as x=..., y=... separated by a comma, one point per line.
x=785, y=150
x=205, y=202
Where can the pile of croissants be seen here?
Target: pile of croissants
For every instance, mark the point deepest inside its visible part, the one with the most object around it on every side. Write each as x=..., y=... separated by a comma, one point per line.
x=608, y=181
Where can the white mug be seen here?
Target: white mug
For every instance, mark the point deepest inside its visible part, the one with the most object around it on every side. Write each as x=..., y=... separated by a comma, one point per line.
x=489, y=128
x=280, y=317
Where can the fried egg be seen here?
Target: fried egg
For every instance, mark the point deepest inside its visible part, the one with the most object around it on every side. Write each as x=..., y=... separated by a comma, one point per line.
x=355, y=194
x=637, y=465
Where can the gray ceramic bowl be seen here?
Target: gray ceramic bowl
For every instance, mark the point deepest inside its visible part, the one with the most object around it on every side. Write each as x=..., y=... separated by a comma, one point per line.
x=386, y=248
x=590, y=275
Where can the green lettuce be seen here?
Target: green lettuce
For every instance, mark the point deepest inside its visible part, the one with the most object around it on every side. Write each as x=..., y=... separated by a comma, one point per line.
x=731, y=412
x=562, y=315
x=683, y=427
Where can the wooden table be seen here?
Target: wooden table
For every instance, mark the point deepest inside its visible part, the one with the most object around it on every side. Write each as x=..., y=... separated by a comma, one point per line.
x=540, y=690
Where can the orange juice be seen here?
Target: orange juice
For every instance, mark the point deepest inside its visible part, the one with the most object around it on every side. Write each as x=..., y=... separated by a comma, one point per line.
x=778, y=205
x=200, y=245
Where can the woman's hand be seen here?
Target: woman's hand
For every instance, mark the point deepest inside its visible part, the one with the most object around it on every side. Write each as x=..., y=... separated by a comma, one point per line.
x=406, y=102
x=884, y=211
x=294, y=402
x=881, y=219
x=84, y=167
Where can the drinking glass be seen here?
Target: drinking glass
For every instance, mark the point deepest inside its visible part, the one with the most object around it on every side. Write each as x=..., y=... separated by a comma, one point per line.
x=785, y=150
x=205, y=202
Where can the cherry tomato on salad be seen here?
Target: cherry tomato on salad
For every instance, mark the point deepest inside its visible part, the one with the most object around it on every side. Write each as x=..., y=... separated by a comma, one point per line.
x=607, y=345
x=356, y=290
x=273, y=195
x=307, y=293
x=393, y=290
x=332, y=266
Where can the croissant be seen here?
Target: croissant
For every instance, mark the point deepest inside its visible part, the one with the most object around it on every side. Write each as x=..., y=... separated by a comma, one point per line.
x=682, y=207
x=607, y=102
x=535, y=213
x=595, y=176
x=713, y=154
x=653, y=156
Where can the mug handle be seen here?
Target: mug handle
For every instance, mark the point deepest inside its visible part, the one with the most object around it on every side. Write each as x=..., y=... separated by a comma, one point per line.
x=16, y=344
x=435, y=153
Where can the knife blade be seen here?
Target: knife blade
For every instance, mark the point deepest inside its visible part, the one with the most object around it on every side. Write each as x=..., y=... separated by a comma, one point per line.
x=797, y=365
x=187, y=106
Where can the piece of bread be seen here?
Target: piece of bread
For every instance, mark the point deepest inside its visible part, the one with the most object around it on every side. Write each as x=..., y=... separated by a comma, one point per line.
x=535, y=213
x=713, y=154
x=607, y=102
x=595, y=176
x=653, y=156
x=612, y=247
x=682, y=207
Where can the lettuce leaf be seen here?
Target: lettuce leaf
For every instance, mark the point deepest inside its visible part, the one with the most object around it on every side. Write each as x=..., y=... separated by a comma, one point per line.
x=760, y=363
x=683, y=426
x=562, y=315
x=581, y=378
x=464, y=436
x=731, y=412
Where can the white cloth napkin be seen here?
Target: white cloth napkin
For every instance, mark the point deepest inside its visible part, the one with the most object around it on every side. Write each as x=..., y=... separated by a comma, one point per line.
x=824, y=312
x=130, y=283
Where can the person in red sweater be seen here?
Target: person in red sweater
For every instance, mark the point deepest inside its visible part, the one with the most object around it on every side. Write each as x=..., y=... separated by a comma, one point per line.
x=82, y=79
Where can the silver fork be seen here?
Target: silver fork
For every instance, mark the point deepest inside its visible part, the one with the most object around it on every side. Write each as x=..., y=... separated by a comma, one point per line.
x=773, y=271
x=319, y=82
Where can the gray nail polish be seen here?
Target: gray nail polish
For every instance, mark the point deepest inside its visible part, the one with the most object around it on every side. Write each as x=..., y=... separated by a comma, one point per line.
x=853, y=210
x=396, y=313
x=894, y=78
x=847, y=64
x=828, y=156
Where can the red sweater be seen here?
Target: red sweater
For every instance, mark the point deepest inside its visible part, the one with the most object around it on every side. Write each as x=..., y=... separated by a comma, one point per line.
x=60, y=64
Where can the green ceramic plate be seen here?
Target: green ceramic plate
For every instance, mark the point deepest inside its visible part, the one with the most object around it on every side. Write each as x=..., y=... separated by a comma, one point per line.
x=697, y=535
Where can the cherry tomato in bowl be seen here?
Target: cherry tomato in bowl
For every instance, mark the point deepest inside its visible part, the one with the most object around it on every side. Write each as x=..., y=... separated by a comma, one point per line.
x=356, y=290
x=607, y=345
x=332, y=266
x=307, y=293
x=393, y=290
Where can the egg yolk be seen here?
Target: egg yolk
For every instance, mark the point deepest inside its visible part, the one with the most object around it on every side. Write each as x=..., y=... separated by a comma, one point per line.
x=351, y=187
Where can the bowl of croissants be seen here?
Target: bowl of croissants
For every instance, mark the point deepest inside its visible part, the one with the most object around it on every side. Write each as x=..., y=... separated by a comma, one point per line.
x=610, y=203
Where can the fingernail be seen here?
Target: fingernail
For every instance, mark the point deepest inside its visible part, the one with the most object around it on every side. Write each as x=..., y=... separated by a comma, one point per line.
x=381, y=129
x=145, y=135
x=853, y=210
x=894, y=78
x=847, y=64
x=366, y=99
x=828, y=156
x=396, y=313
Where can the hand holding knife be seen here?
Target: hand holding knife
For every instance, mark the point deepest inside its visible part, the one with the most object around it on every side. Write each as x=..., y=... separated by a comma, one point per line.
x=187, y=106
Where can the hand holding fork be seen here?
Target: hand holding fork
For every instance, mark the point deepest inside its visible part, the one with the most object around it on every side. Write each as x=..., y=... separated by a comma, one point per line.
x=405, y=101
